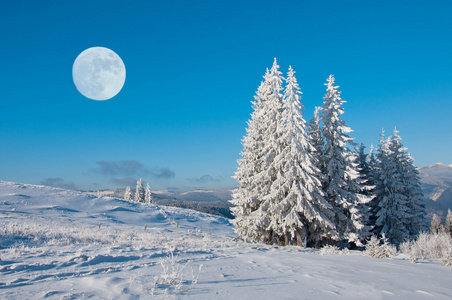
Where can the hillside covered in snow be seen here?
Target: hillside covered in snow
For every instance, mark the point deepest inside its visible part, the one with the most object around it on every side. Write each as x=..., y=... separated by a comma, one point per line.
x=209, y=201
x=60, y=244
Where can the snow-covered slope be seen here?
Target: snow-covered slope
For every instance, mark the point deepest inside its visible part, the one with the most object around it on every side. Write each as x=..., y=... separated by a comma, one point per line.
x=59, y=244
x=437, y=187
x=209, y=201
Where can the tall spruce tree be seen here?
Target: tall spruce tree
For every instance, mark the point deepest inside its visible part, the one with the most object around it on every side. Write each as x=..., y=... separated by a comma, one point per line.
x=139, y=191
x=272, y=131
x=416, y=221
x=399, y=212
x=341, y=179
x=247, y=197
x=297, y=207
x=392, y=211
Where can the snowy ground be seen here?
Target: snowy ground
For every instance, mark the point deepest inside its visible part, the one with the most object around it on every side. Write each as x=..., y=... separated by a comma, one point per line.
x=59, y=244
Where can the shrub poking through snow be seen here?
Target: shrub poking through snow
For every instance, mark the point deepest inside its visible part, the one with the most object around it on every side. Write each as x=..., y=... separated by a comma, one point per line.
x=447, y=260
x=372, y=246
x=329, y=249
x=332, y=249
x=173, y=277
x=380, y=248
x=433, y=246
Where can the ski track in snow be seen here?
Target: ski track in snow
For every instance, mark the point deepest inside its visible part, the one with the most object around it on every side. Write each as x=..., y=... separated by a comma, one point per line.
x=58, y=244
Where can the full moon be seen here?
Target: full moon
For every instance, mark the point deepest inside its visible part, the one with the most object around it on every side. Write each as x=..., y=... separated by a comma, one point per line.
x=98, y=73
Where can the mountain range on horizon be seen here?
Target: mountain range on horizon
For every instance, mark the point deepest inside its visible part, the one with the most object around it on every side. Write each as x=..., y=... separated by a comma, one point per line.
x=436, y=183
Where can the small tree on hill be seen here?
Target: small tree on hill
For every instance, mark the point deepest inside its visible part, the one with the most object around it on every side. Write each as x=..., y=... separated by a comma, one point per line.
x=448, y=224
x=147, y=194
x=435, y=225
x=139, y=191
x=128, y=194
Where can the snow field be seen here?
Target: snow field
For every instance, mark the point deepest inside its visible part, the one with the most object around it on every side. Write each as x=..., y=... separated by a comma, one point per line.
x=58, y=244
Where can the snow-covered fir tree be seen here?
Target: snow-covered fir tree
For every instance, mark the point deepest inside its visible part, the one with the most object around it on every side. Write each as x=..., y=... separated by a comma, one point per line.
x=247, y=197
x=413, y=189
x=147, y=194
x=296, y=204
x=391, y=212
x=285, y=162
x=272, y=128
x=139, y=191
x=128, y=194
x=342, y=183
x=279, y=195
x=399, y=212
x=416, y=222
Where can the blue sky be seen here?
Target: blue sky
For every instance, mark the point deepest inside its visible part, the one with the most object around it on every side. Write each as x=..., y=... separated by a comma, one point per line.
x=192, y=69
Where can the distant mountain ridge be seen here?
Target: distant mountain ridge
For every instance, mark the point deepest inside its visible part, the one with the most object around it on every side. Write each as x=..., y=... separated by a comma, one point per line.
x=436, y=183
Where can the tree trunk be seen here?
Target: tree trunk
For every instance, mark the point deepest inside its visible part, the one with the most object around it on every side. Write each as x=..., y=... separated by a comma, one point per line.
x=301, y=233
x=270, y=237
x=286, y=239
